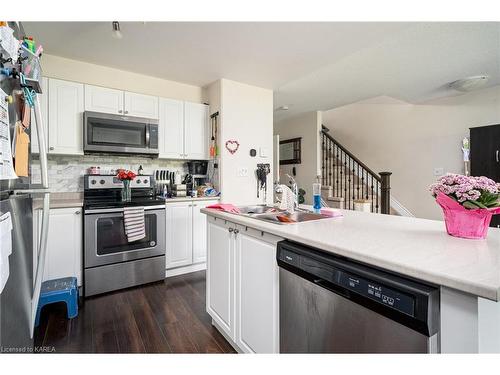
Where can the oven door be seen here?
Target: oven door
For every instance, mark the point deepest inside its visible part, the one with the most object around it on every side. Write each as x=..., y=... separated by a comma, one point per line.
x=119, y=134
x=106, y=242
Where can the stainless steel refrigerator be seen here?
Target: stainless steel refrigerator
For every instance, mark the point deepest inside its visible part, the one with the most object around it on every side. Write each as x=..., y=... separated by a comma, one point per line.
x=19, y=298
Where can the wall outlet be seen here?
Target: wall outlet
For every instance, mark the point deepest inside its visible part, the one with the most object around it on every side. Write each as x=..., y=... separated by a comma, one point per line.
x=242, y=172
x=438, y=171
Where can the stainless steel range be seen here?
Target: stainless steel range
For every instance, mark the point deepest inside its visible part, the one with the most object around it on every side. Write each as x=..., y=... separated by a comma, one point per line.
x=110, y=261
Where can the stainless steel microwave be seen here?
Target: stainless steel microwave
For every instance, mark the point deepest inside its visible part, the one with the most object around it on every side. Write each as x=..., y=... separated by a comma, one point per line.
x=107, y=133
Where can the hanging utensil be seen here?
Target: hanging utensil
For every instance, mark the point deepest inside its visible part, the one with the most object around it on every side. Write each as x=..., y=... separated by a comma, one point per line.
x=212, y=138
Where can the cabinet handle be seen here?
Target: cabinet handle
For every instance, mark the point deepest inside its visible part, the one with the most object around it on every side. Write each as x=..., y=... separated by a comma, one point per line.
x=230, y=230
x=120, y=111
x=77, y=212
x=236, y=231
x=497, y=156
x=126, y=112
x=51, y=148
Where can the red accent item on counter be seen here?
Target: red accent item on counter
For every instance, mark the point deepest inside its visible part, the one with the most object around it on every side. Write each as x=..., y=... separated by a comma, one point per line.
x=225, y=207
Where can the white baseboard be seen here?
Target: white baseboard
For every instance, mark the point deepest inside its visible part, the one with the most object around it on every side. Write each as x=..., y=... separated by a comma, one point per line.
x=185, y=269
x=399, y=208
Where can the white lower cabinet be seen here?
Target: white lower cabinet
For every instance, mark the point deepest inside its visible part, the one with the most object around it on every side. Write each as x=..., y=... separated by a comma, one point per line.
x=242, y=285
x=220, y=276
x=257, y=304
x=200, y=232
x=64, y=243
x=179, y=234
x=186, y=232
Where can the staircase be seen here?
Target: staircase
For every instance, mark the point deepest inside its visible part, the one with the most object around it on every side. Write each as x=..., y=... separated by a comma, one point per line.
x=346, y=180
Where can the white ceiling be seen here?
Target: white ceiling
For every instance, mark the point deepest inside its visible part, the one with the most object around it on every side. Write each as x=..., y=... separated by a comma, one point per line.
x=311, y=66
x=415, y=65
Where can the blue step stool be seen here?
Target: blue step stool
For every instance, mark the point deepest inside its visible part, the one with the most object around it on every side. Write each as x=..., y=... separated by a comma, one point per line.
x=59, y=290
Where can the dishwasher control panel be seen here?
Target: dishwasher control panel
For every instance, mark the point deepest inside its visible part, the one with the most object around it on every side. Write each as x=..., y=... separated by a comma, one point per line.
x=377, y=292
x=409, y=302
x=350, y=281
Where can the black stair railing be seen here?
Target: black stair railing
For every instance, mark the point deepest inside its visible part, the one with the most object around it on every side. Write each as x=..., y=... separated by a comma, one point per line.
x=350, y=179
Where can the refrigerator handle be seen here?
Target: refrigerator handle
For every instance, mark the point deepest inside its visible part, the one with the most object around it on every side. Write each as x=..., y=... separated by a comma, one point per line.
x=42, y=255
x=41, y=143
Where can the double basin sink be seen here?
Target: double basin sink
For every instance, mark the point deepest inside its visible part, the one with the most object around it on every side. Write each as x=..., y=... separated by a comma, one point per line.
x=276, y=216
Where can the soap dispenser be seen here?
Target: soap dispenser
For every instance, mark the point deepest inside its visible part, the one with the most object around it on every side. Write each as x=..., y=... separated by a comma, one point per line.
x=317, y=195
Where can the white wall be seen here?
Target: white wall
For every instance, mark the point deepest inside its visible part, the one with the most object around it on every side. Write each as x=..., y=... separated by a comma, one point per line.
x=246, y=115
x=411, y=140
x=78, y=71
x=306, y=126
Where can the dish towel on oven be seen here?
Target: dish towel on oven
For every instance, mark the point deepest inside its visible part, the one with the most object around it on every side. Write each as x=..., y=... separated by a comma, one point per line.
x=133, y=219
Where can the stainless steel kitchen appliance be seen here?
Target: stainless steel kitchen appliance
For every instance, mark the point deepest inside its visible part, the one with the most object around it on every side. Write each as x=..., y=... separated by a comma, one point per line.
x=330, y=304
x=110, y=261
x=25, y=264
x=116, y=134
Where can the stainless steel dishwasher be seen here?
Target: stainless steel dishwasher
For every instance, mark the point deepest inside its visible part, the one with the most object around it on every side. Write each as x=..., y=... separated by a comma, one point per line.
x=330, y=304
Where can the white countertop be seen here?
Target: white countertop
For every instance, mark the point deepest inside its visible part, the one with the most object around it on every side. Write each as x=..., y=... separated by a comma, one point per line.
x=414, y=247
x=191, y=199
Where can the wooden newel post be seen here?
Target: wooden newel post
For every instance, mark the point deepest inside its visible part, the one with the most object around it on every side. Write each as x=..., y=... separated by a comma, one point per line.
x=385, y=192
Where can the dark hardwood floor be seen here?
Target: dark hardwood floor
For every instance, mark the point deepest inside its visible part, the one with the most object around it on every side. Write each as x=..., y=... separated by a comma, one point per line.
x=164, y=317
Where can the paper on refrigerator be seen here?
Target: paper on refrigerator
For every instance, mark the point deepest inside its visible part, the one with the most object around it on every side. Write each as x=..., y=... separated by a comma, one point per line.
x=5, y=248
x=6, y=163
x=8, y=42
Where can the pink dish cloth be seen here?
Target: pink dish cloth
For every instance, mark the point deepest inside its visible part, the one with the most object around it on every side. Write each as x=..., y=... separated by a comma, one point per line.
x=332, y=212
x=225, y=207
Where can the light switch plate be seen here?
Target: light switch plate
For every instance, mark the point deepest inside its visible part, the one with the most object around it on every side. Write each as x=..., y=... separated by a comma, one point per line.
x=242, y=172
x=438, y=171
x=263, y=152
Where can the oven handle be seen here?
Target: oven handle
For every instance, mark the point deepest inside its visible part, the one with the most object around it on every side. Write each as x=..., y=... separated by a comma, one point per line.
x=117, y=210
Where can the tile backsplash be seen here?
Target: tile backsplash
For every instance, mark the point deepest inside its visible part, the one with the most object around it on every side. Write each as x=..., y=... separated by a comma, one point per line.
x=66, y=171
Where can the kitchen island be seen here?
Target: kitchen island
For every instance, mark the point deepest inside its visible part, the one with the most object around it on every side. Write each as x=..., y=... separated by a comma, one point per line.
x=467, y=271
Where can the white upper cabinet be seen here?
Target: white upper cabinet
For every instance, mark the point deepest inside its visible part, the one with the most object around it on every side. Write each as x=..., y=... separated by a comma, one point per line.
x=104, y=100
x=141, y=105
x=171, y=129
x=44, y=109
x=66, y=105
x=183, y=130
x=195, y=130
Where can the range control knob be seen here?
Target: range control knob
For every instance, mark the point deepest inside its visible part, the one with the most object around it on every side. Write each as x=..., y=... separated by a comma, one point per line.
x=93, y=182
x=145, y=181
x=138, y=181
x=102, y=182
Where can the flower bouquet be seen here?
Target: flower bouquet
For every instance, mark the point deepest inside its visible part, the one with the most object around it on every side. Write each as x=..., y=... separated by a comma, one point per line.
x=125, y=177
x=468, y=203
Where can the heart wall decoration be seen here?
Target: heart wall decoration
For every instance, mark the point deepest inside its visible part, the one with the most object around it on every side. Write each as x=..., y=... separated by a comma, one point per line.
x=232, y=146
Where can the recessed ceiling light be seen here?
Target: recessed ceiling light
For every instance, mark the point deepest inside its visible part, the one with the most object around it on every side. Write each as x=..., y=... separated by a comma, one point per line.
x=469, y=83
x=117, y=33
x=282, y=108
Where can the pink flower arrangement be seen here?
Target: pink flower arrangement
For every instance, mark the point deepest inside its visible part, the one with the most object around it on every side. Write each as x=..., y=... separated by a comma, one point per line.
x=470, y=192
